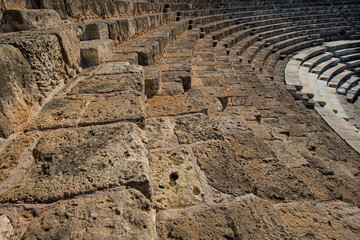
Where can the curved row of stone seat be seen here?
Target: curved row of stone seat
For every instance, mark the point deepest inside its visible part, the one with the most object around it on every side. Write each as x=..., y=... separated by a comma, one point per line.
x=324, y=81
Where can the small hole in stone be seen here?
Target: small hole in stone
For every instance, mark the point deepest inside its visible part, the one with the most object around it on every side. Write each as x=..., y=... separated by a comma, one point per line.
x=174, y=176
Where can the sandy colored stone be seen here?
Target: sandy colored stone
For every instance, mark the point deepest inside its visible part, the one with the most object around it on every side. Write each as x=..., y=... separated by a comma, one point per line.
x=176, y=184
x=347, y=213
x=152, y=76
x=171, y=89
x=60, y=112
x=71, y=162
x=6, y=228
x=122, y=214
x=194, y=128
x=248, y=146
x=248, y=218
x=18, y=92
x=113, y=68
x=121, y=106
x=312, y=221
x=108, y=84
x=25, y=19
x=44, y=53
x=161, y=132
x=11, y=155
x=224, y=171
x=274, y=181
x=190, y=102
x=94, y=52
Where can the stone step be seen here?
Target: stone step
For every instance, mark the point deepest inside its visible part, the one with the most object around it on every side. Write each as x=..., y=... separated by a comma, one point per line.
x=94, y=52
x=313, y=62
x=319, y=69
x=331, y=72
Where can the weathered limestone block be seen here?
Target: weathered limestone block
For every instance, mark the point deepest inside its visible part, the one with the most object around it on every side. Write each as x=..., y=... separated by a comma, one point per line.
x=12, y=154
x=121, y=106
x=94, y=52
x=196, y=128
x=18, y=91
x=44, y=54
x=6, y=228
x=161, y=132
x=114, y=68
x=71, y=162
x=175, y=76
x=97, y=30
x=109, y=84
x=171, y=88
x=70, y=46
x=190, y=102
x=26, y=19
x=311, y=220
x=152, y=79
x=248, y=218
x=224, y=171
x=60, y=112
x=176, y=184
x=121, y=214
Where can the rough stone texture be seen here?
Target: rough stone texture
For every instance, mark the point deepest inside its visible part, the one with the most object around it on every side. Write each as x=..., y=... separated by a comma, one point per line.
x=60, y=112
x=123, y=214
x=175, y=181
x=75, y=161
x=6, y=228
x=94, y=52
x=18, y=92
x=190, y=102
x=224, y=171
x=48, y=67
x=249, y=218
x=12, y=154
x=152, y=79
x=108, y=84
x=312, y=221
x=96, y=31
x=114, y=68
x=26, y=19
x=196, y=128
x=161, y=132
x=122, y=106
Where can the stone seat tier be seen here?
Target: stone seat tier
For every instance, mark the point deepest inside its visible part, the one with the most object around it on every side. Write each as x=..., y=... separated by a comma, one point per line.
x=349, y=57
x=314, y=61
x=340, y=78
x=331, y=72
x=320, y=68
x=346, y=51
x=344, y=88
x=333, y=46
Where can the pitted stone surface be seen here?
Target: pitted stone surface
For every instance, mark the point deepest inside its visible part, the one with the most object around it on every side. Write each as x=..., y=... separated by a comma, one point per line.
x=176, y=184
x=248, y=218
x=224, y=171
x=311, y=220
x=26, y=19
x=123, y=214
x=76, y=161
x=18, y=92
x=12, y=154
x=190, y=102
x=108, y=84
x=194, y=128
x=121, y=106
x=113, y=68
x=60, y=112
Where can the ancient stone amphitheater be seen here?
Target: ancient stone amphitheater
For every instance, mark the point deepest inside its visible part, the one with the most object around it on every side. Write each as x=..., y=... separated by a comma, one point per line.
x=186, y=119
